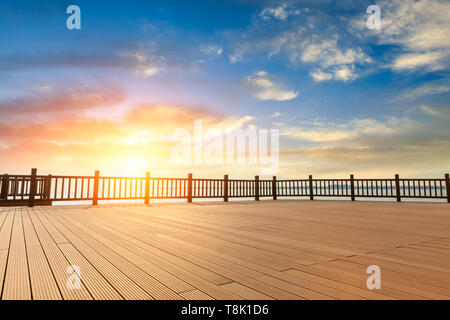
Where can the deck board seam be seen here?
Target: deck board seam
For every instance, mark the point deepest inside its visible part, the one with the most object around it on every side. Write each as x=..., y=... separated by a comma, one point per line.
x=46, y=258
x=26, y=255
x=7, y=259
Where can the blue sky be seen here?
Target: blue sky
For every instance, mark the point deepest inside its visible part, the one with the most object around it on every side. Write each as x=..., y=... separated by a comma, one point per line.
x=341, y=94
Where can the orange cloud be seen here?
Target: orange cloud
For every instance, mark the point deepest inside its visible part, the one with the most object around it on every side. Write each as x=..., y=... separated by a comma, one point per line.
x=63, y=103
x=70, y=143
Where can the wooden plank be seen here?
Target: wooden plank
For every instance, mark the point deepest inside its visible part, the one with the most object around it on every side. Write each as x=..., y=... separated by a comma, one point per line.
x=194, y=280
x=243, y=251
x=56, y=235
x=297, y=290
x=5, y=231
x=328, y=281
x=154, y=288
x=405, y=271
x=113, y=241
x=3, y=262
x=42, y=281
x=17, y=280
x=245, y=292
x=43, y=284
x=31, y=238
x=232, y=235
x=153, y=244
x=97, y=285
x=94, y=264
x=265, y=250
x=275, y=292
x=205, y=273
x=58, y=263
x=405, y=260
x=195, y=295
x=309, y=283
x=391, y=280
x=3, y=216
x=122, y=226
x=359, y=277
x=439, y=260
x=207, y=287
x=5, y=238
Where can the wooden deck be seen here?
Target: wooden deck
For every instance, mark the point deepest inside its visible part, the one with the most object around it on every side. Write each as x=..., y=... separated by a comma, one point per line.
x=245, y=250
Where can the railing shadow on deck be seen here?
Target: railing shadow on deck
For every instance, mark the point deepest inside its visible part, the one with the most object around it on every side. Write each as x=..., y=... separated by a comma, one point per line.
x=33, y=189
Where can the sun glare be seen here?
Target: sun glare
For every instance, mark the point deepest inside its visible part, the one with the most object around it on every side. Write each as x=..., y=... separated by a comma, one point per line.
x=132, y=166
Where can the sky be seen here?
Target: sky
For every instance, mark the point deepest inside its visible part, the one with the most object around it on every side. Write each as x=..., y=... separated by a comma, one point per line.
x=346, y=99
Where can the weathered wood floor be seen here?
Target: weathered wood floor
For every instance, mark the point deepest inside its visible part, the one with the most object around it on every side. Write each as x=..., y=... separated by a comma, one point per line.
x=246, y=250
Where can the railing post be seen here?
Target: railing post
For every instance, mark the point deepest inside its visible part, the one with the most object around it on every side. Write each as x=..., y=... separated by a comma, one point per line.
x=447, y=187
x=5, y=187
x=352, y=187
x=257, y=188
x=225, y=188
x=274, y=188
x=311, y=194
x=48, y=187
x=33, y=186
x=397, y=187
x=147, y=188
x=96, y=186
x=189, y=199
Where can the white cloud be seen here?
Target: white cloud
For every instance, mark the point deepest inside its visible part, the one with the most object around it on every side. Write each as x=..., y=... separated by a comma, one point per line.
x=319, y=75
x=327, y=53
x=149, y=27
x=430, y=111
x=418, y=25
x=345, y=73
x=441, y=113
x=321, y=132
x=147, y=64
x=211, y=49
x=280, y=12
x=231, y=124
x=148, y=70
x=303, y=40
x=275, y=115
x=266, y=89
x=420, y=28
x=416, y=60
x=302, y=45
x=371, y=146
x=236, y=57
x=44, y=88
x=424, y=90
x=276, y=94
x=342, y=73
x=339, y=64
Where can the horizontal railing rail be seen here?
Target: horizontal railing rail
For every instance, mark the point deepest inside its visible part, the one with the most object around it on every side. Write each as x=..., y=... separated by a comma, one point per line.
x=36, y=189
